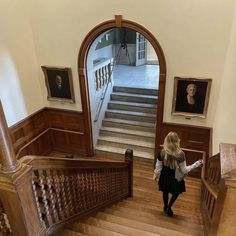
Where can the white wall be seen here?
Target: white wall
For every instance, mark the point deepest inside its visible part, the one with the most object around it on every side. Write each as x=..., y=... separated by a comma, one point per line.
x=194, y=36
x=94, y=95
x=224, y=124
x=20, y=90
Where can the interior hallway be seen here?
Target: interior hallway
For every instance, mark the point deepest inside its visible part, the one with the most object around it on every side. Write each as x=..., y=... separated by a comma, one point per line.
x=146, y=76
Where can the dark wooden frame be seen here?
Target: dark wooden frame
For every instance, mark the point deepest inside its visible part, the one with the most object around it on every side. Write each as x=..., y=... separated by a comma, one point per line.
x=203, y=91
x=56, y=92
x=82, y=65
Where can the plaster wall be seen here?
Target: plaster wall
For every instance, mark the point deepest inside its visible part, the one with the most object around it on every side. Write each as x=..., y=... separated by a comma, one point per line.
x=194, y=36
x=20, y=92
x=225, y=117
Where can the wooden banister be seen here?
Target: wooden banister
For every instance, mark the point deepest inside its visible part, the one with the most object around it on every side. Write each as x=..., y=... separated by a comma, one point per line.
x=218, y=192
x=48, y=192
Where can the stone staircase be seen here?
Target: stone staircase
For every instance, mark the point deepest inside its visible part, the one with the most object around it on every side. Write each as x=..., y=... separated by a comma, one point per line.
x=142, y=214
x=129, y=123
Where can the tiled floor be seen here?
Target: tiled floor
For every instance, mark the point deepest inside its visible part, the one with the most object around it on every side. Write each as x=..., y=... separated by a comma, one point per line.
x=146, y=76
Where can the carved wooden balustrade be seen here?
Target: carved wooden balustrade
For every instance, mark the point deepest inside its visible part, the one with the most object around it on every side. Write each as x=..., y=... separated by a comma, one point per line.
x=218, y=192
x=49, y=192
x=212, y=195
x=5, y=228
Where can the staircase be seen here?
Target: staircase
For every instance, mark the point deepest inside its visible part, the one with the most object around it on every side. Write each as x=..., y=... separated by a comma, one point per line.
x=129, y=123
x=142, y=214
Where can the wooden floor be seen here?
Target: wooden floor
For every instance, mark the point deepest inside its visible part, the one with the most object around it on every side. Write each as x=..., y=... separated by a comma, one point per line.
x=142, y=214
x=145, y=76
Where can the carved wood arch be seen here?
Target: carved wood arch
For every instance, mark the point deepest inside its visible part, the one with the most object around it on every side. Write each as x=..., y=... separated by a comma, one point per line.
x=82, y=61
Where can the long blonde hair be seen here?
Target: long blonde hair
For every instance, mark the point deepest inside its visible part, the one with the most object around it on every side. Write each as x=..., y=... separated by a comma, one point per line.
x=171, y=150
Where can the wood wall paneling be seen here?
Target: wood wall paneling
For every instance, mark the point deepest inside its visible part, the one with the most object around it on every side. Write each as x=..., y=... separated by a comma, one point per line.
x=64, y=130
x=191, y=157
x=70, y=142
x=47, y=130
x=24, y=131
x=192, y=137
x=65, y=119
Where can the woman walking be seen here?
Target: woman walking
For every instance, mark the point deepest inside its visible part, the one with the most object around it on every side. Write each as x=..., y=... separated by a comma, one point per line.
x=170, y=169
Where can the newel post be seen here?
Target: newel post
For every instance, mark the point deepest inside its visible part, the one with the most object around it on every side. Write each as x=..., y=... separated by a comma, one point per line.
x=129, y=159
x=228, y=174
x=7, y=154
x=16, y=192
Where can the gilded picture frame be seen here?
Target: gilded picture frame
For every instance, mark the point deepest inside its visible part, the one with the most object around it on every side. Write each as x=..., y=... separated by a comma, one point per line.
x=191, y=96
x=59, y=84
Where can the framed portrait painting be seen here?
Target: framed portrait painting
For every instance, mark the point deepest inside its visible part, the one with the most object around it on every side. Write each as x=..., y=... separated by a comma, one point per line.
x=59, y=84
x=191, y=96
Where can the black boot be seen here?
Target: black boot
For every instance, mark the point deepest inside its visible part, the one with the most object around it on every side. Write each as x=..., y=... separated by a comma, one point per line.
x=169, y=212
x=165, y=208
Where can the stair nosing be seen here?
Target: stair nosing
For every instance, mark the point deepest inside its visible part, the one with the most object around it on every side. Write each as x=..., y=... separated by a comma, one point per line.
x=134, y=95
x=123, y=121
x=127, y=131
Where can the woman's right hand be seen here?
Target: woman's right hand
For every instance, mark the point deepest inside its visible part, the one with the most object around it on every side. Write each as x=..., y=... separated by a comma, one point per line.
x=198, y=163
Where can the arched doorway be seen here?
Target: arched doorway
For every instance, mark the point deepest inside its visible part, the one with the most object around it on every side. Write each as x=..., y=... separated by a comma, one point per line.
x=82, y=58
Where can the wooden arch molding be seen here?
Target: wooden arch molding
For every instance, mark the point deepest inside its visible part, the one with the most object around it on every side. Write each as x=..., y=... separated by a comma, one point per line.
x=82, y=70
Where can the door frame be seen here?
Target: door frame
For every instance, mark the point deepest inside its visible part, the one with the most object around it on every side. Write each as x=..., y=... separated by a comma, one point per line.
x=82, y=71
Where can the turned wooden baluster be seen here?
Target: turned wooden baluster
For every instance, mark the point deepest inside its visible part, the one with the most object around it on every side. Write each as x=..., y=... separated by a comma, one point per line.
x=84, y=189
x=43, y=186
x=56, y=184
x=79, y=191
x=36, y=187
x=68, y=192
x=52, y=196
x=101, y=187
x=74, y=192
x=129, y=159
x=63, y=195
x=4, y=228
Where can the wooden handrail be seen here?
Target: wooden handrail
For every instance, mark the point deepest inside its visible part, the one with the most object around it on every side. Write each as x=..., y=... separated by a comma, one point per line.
x=40, y=135
x=213, y=194
x=49, y=192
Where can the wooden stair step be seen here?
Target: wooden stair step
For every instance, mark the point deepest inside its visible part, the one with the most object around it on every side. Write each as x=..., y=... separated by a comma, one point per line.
x=179, y=204
x=139, y=225
x=167, y=222
x=116, y=227
x=92, y=230
x=68, y=232
x=158, y=211
x=183, y=199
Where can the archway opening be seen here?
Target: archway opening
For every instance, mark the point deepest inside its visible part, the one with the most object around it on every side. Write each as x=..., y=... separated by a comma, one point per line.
x=104, y=30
